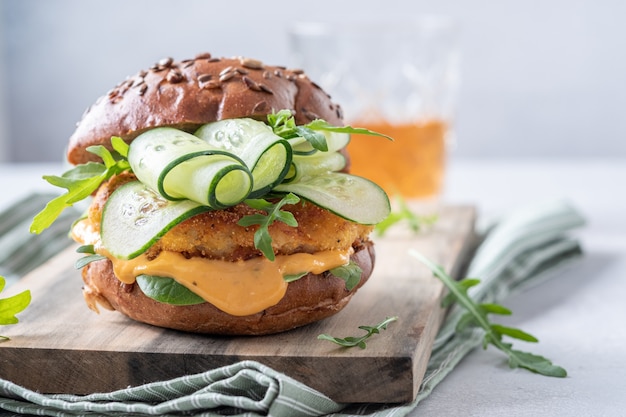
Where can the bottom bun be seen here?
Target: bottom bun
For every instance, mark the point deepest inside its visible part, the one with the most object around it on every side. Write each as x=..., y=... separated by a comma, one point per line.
x=309, y=299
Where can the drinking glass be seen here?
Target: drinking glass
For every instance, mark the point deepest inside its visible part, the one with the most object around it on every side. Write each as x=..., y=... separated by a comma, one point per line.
x=396, y=78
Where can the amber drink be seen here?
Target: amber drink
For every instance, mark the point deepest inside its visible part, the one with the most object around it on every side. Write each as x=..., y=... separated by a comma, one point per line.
x=411, y=166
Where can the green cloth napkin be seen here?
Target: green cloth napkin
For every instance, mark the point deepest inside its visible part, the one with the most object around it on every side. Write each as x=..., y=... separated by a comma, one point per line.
x=519, y=250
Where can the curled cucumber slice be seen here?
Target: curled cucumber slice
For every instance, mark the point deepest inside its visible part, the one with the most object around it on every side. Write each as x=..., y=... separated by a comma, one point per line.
x=267, y=155
x=319, y=163
x=135, y=217
x=181, y=166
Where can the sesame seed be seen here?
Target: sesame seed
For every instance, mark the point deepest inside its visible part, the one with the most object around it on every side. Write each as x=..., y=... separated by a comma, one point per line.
x=204, y=78
x=226, y=70
x=225, y=76
x=265, y=88
x=259, y=107
x=251, y=63
x=251, y=84
x=166, y=62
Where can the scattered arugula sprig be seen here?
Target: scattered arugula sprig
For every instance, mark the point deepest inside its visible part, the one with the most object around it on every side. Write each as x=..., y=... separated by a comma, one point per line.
x=476, y=316
x=10, y=306
x=262, y=238
x=81, y=181
x=352, y=341
x=415, y=221
x=283, y=124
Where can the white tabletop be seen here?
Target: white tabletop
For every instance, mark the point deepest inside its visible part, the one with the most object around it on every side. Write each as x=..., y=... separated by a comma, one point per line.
x=578, y=315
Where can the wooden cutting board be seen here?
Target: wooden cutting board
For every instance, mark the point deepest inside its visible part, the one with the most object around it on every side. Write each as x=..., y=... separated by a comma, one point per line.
x=60, y=346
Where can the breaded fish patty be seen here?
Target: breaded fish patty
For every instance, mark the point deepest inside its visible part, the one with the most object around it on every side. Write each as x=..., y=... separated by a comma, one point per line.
x=216, y=234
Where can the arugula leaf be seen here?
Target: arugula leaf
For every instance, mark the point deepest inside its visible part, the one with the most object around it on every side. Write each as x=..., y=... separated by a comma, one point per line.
x=280, y=119
x=320, y=124
x=316, y=139
x=80, y=182
x=262, y=238
x=92, y=256
x=352, y=341
x=350, y=273
x=10, y=306
x=294, y=277
x=283, y=124
x=476, y=316
x=404, y=213
x=120, y=146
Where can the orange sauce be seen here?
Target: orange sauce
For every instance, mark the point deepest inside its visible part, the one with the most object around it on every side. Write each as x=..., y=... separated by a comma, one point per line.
x=411, y=166
x=238, y=288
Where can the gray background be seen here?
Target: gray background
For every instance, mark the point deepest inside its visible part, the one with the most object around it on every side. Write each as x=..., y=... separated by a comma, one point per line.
x=539, y=78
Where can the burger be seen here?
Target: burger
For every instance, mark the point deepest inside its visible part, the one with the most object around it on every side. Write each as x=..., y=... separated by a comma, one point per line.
x=220, y=199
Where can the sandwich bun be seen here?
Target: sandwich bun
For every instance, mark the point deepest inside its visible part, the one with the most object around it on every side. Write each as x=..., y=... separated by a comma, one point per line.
x=190, y=93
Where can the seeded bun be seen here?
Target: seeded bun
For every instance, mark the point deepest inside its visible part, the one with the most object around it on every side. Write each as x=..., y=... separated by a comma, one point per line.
x=192, y=92
x=309, y=299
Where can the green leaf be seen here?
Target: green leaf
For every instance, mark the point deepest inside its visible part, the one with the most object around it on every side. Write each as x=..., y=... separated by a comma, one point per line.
x=86, y=260
x=467, y=283
x=320, y=124
x=359, y=341
x=514, y=333
x=476, y=315
x=316, y=139
x=76, y=174
x=350, y=273
x=167, y=290
x=262, y=238
x=281, y=118
x=283, y=124
x=120, y=146
x=294, y=277
x=535, y=363
x=89, y=249
x=80, y=182
x=11, y=306
x=103, y=153
x=496, y=309
x=92, y=256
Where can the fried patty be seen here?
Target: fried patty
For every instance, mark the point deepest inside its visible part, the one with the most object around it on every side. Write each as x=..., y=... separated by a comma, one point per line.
x=216, y=234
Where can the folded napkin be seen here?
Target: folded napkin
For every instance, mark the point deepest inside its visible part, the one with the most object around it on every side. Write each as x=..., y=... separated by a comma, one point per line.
x=519, y=250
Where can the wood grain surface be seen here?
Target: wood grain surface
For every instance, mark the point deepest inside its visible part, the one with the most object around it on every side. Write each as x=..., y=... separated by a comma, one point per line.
x=60, y=346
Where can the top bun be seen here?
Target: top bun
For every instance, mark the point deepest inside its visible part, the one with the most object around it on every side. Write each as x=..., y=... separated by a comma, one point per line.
x=193, y=92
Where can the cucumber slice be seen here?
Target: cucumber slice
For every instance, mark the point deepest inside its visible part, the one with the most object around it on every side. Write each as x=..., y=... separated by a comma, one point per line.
x=267, y=155
x=316, y=164
x=135, y=217
x=351, y=197
x=334, y=140
x=181, y=166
